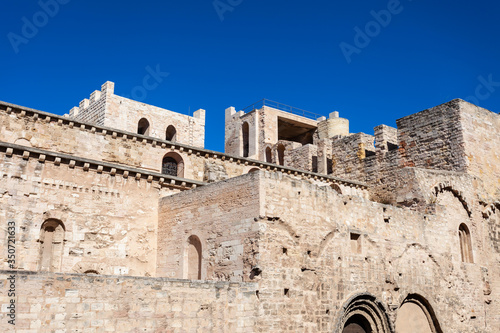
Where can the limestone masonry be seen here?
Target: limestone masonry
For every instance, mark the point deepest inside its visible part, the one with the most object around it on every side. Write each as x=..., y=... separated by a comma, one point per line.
x=123, y=222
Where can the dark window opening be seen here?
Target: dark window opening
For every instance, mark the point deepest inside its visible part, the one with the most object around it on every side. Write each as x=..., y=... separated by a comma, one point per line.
x=391, y=146
x=281, y=154
x=143, y=127
x=169, y=166
x=357, y=324
x=355, y=243
x=246, y=139
x=369, y=153
x=172, y=165
x=329, y=166
x=269, y=156
x=291, y=130
x=171, y=133
x=315, y=164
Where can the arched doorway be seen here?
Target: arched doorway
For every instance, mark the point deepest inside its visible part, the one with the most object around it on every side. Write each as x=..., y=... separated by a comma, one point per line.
x=357, y=324
x=363, y=314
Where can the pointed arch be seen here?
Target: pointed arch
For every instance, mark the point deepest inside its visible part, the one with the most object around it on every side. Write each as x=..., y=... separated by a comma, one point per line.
x=415, y=315
x=172, y=165
x=245, y=135
x=465, y=243
x=363, y=313
x=51, y=245
x=143, y=127
x=440, y=188
x=171, y=133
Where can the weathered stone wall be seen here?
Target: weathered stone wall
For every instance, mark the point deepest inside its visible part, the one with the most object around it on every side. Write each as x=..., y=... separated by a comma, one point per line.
x=48, y=302
x=455, y=136
x=481, y=130
x=349, y=156
x=321, y=269
x=317, y=250
x=303, y=158
x=433, y=138
x=110, y=222
x=107, y=109
x=222, y=216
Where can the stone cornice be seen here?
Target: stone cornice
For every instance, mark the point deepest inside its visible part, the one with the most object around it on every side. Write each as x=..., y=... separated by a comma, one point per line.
x=86, y=164
x=115, y=133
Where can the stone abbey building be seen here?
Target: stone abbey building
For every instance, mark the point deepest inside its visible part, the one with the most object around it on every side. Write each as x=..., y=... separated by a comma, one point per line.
x=123, y=222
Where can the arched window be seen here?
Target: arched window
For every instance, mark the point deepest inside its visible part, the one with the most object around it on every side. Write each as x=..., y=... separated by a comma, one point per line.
x=51, y=245
x=253, y=170
x=91, y=272
x=172, y=165
x=143, y=127
x=269, y=155
x=194, y=258
x=465, y=243
x=246, y=139
x=281, y=154
x=171, y=133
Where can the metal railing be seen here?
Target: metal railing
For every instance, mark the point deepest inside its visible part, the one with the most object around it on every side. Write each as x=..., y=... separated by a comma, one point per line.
x=283, y=107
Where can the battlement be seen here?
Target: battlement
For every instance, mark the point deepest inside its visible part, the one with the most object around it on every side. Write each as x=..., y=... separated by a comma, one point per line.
x=93, y=109
x=104, y=108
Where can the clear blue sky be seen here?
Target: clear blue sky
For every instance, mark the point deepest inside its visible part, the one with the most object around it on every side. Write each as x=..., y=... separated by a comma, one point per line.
x=289, y=51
